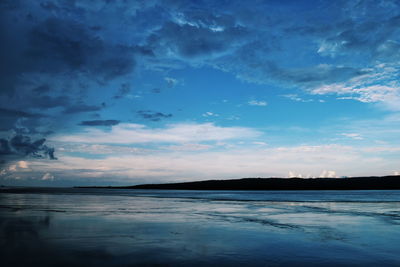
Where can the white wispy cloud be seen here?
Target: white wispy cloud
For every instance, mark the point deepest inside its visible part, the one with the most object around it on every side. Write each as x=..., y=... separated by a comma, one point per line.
x=379, y=85
x=171, y=82
x=260, y=103
x=188, y=147
x=129, y=133
x=233, y=118
x=210, y=114
x=179, y=164
x=259, y=143
x=47, y=177
x=354, y=136
x=295, y=97
x=67, y=147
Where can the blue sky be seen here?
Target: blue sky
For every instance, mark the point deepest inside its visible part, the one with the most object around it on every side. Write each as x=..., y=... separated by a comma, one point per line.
x=128, y=92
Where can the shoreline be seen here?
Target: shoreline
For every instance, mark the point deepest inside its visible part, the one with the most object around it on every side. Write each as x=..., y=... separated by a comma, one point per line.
x=281, y=184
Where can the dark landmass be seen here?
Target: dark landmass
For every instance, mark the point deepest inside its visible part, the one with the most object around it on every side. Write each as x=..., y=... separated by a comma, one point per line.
x=355, y=183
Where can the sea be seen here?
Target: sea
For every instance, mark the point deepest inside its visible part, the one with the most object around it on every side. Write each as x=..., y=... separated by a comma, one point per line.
x=126, y=227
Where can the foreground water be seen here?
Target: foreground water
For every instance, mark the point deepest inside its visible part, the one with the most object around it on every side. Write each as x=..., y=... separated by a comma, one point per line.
x=106, y=227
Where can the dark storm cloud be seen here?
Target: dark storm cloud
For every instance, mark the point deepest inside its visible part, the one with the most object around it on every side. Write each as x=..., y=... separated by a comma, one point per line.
x=49, y=43
x=11, y=113
x=81, y=107
x=9, y=118
x=152, y=115
x=22, y=146
x=100, y=123
x=4, y=147
x=46, y=102
x=42, y=89
x=61, y=45
x=143, y=50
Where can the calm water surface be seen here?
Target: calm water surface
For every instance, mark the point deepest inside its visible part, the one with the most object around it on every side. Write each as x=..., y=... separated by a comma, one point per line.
x=110, y=227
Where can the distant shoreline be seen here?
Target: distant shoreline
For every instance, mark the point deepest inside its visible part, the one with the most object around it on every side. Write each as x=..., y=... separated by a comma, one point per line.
x=354, y=183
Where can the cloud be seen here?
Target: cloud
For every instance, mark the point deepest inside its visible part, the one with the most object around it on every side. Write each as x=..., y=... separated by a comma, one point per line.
x=257, y=103
x=47, y=177
x=171, y=82
x=189, y=147
x=14, y=167
x=204, y=33
x=328, y=174
x=153, y=115
x=371, y=37
x=209, y=114
x=42, y=89
x=47, y=102
x=233, y=118
x=99, y=123
x=186, y=164
x=11, y=113
x=61, y=59
x=22, y=164
x=5, y=148
x=156, y=90
x=68, y=43
x=382, y=130
x=21, y=146
x=297, y=98
x=128, y=133
x=354, y=136
x=259, y=143
x=82, y=107
x=10, y=118
x=98, y=149
x=353, y=42
x=188, y=40
x=379, y=85
x=123, y=91
x=18, y=166
x=57, y=61
x=311, y=76
x=60, y=44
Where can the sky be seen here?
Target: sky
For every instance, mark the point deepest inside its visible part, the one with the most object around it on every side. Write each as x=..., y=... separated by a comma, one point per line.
x=129, y=92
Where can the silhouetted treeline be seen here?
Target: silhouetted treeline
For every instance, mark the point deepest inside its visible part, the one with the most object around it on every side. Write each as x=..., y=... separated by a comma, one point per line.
x=356, y=183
